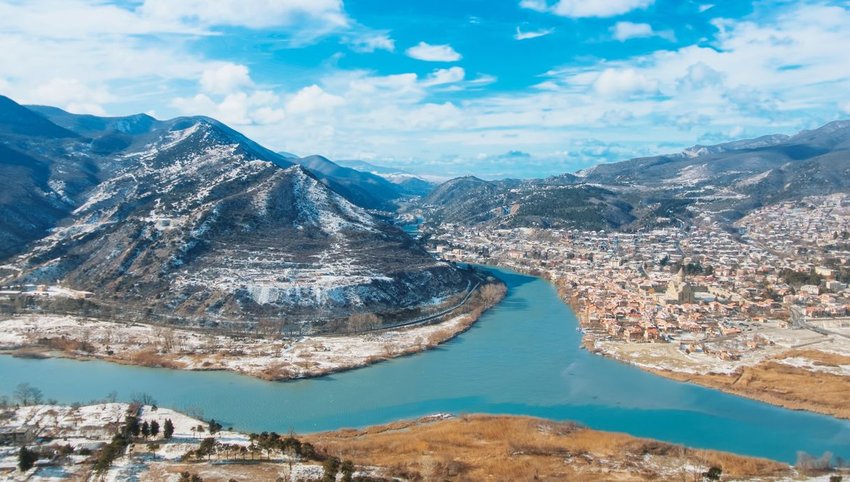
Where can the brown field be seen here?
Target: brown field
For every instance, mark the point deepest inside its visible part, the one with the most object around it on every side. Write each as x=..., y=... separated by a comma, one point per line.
x=784, y=385
x=483, y=447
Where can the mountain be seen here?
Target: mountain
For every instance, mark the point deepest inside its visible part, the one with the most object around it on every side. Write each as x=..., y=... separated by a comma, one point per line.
x=363, y=188
x=408, y=184
x=728, y=179
x=16, y=120
x=41, y=178
x=550, y=202
x=733, y=178
x=191, y=222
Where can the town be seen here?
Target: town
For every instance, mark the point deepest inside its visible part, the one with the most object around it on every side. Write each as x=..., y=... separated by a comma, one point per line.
x=707, y=297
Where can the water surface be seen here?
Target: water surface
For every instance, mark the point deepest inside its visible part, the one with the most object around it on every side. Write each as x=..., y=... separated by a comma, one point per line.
x=522, y=357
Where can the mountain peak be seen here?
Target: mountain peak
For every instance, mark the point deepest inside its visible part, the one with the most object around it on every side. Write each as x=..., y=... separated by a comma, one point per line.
x=17, y=119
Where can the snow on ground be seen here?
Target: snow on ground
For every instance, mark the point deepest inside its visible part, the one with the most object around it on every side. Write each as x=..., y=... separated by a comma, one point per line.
x=667, y=356
x=806, y=364
x=197, y=350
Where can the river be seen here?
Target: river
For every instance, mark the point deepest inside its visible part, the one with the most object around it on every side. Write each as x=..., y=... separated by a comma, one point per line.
x=522, y=357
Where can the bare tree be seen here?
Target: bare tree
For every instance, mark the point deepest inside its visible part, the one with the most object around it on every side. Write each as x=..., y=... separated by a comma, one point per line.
x=28, y=394
x=360, y=322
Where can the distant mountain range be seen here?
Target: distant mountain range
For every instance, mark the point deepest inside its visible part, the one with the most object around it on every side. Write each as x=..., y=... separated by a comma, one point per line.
x=408, y=183
x=188, y=219
x=727, y=180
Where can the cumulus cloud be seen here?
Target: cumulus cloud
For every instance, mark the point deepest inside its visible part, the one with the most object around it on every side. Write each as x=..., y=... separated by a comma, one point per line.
x=445, y=76
x=433, y=53
x=311, y=99
x=237, y=108
x=700, y=76
x=586, y=8
x=520, y=35
x=73, y=95
x=623, y=31
x=370, y=41
x=623, y=82
x=225, y=78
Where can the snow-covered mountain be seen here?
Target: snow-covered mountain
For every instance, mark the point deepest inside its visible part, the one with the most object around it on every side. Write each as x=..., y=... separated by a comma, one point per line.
x=188, y=220
x=728, y=180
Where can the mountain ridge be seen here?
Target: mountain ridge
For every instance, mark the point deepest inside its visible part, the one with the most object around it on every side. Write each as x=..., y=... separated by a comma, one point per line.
x=189, y=221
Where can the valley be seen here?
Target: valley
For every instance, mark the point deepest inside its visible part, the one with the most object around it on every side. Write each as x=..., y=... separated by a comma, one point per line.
x=182, y=246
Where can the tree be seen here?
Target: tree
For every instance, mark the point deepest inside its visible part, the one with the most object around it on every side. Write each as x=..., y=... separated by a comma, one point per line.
x=206, y=448
x=143, y=399
x=146, y=429
x=26, y=459
x=360, y=322
x=154, y=428
x=713, y=473
x=347, y=469
x=187, y=477
x=28, y=394
x=133, y=426
x=331, y=467
x=214, y=427
x=167, y=428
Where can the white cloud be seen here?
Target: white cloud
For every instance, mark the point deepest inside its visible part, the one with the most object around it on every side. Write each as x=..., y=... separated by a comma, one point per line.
x=536, y=5
x=586, y=8
x=225, y=78
x=73, y=95
x=445, y=76
x=623, y=82
x=433, y=53
x=236, y=108
x=627, y=30
x=700, y=76
x=845, y=108
x=520, y=35
x=311, y=99
x=370, y=42
x=253, y=14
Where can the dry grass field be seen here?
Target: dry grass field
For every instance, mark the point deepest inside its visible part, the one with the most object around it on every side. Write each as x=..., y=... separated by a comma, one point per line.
x=781, y=384
x=484, y=447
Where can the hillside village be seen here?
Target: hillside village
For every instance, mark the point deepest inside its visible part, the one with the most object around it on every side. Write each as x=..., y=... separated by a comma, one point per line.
x=708, y=297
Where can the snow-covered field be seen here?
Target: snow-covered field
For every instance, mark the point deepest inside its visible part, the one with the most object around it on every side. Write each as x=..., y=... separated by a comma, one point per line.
x=667, y=356
x=267, y=358
x=92, y=426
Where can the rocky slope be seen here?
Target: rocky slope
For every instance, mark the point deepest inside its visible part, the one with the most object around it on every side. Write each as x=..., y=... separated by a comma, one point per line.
x=551, y=202
x=187, y=220
x=727, y=180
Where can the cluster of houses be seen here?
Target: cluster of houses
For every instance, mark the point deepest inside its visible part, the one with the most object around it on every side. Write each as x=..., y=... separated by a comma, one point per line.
x=687, y=286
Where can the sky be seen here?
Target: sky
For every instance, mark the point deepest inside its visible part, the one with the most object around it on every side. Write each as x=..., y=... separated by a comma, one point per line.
x=494, y=88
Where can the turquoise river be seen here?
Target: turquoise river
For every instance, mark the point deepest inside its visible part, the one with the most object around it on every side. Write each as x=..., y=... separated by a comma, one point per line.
x=522, y=357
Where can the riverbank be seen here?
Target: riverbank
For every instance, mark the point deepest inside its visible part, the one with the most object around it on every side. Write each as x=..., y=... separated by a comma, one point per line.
x=814, y=377
x=267, y=358
x=77, y=442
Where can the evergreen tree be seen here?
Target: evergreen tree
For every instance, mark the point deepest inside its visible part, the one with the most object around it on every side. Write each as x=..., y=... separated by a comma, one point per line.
x=146, y=429
x=154, y=428
x=168, y=428
x=26, y=459
x=133, y=427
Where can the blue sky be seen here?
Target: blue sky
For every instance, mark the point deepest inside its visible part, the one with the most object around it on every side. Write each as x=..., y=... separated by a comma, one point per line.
x=496, y=88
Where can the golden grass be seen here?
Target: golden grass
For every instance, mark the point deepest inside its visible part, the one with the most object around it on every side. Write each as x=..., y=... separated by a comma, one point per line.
x=484, y=447
x=784, y=385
